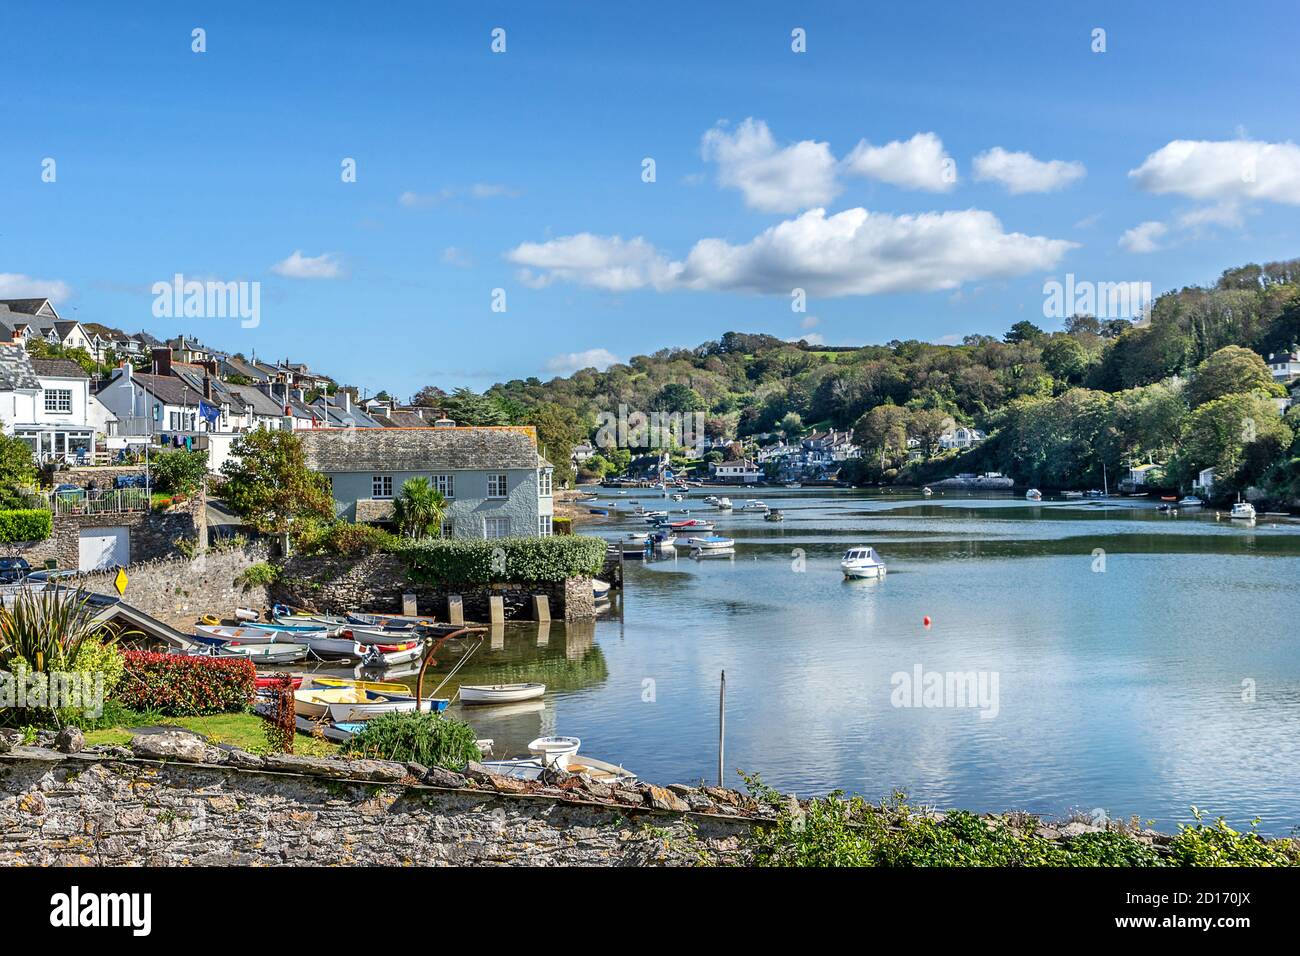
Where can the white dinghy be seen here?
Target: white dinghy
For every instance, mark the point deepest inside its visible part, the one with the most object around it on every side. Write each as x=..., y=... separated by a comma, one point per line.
x=500, y=693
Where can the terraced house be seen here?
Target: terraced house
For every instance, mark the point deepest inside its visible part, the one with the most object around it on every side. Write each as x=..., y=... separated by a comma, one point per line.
x=496, y=483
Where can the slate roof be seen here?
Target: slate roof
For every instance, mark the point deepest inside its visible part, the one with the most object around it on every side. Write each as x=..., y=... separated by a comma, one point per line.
x=421, y=449
x=58, y=368
x=16, y=369
x=26, y=306
x=260, y=402
x=169, y=388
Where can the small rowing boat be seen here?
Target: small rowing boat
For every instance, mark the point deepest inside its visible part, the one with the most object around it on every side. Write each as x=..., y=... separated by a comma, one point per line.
x=219, y=634
x=500, y=693
x=377, y=705
x=261, y=653
x=711, y=543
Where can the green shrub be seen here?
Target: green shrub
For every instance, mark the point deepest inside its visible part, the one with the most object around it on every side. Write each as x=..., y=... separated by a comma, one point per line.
x=102, y=656
x=180, y=471
x=473, y=561
x=180, y=686
x=429, y=739
x=359, y=539
x=25, y=524
x=562, y=525
x=1220, y=845
x=261, y=574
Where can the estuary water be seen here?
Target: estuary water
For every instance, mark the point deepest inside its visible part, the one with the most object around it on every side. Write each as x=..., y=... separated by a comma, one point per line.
x=1129, y=661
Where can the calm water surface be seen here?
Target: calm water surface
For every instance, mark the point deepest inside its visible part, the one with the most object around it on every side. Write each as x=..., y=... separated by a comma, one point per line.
x=1126, y=689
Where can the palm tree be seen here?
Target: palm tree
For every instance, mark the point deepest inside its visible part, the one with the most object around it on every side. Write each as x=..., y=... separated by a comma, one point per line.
x=419, y=509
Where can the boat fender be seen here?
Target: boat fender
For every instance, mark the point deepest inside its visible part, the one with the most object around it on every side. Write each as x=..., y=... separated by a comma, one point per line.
x=210, y=619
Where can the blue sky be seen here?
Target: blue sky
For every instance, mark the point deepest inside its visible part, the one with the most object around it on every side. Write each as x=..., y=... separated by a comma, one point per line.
x=225, y=163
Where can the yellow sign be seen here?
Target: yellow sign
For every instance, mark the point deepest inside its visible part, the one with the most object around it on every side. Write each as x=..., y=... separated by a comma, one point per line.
x=119, y=582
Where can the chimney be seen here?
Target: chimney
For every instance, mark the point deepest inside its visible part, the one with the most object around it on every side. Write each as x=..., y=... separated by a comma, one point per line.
x=162, y=361
x=18, y=335
x=298, y=395
x=347, y=402
x=207, y=387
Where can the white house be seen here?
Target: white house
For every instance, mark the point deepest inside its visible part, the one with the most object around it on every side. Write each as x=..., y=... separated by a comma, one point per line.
x=25, y=319
x=741, y=470
x=1285, y=366
x=45, y=402
x=961, y=438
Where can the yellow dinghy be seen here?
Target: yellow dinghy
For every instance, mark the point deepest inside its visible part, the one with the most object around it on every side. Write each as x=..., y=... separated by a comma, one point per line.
x=314, y=702
x=379, y=687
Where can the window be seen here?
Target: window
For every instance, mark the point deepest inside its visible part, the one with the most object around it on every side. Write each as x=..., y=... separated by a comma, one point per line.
x=58, y=400
x=446, y=530
x=544, y=483
x=544, y=525
x=496, y=527
x=445, y=484
x=174, y=421
x=496, y=486
x=381, y=486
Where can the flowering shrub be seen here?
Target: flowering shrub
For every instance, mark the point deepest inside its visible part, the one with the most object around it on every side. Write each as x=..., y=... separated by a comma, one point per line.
x=186, y=686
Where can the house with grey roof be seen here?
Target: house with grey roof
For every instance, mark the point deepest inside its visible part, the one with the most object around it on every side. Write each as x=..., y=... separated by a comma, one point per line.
x=495, y=481
x=24, y=319
x=47, y=403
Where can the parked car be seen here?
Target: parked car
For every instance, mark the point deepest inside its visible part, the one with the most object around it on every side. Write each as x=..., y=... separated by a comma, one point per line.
x=13, y=570
x=44, y=576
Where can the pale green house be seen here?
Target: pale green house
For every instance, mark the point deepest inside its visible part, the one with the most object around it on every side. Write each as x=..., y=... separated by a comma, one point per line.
x=496, y=483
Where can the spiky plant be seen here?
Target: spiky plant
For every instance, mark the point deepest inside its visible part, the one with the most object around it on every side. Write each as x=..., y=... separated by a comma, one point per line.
x=47, y=628
x=419, y=509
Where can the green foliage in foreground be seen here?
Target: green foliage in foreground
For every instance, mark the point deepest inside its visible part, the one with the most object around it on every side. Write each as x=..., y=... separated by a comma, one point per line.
x=851, y=832
x=473, y=561
x=25, y=524
x=429, y=739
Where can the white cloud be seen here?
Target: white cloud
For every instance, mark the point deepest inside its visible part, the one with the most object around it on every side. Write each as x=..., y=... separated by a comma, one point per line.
x=812, y=338
x=1144, y=237
x=413, y=200
x=493, y=191
x=15, y=285
x=1227, y=213
x=809, y=322
x=919, y=163
x=298, y=266
x=1225, y=169
x=605, y=262
x=854, y=252
x=571, y=362
x=772, y=179
x=1022, y=173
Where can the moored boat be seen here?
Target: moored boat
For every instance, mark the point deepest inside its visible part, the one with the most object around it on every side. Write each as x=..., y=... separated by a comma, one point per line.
x=1033, y=494
x=862, y=562
x=1191, y=501
x=774, y=514
x=377, y=705
x=220, y=634
x=500, y=693
x=1242, y=511
x=724, y=504
x=690, y=524
x=753, y=504
x=711, y=542
x=599, y=588
x=260, y=653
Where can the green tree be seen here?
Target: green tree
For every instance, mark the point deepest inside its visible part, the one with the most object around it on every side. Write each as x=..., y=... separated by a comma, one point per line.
x=268, y=484
x=1065, y=358
x=1235, y=435
x=179, y=472
x=928, y=425
x=17, y=469
x=883, y=431
x=676, y=397
x=1023, y=331
x=791, y=424
x=467, y=407
x=418, y=509
x=558, y=430
x=1231, y=370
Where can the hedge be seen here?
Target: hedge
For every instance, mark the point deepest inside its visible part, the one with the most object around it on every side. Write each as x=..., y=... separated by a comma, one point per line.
x=180, y=686
x=475, y=561
x=25, y=524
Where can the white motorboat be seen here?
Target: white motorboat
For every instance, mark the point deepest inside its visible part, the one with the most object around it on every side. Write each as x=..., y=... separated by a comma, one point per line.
x=638, y=536
x=724, y=504
x=690, y=525
x=753, y=504
x=599, y=588
x=652, y=516
x=679, y=497
x=862, y=562
x=1033, y=494
x=710, y=499
x=384, y=656
x=794, y=484
x=663, y=542
x=500, y=693
x=551, y=749
x=1190, y=501
x=1242, y=511
x=711, y=542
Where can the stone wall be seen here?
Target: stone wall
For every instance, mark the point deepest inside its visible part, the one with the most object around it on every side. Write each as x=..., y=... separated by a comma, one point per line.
x=377, y=582
x=153, y=534
x=180, y=590
x=111, y=809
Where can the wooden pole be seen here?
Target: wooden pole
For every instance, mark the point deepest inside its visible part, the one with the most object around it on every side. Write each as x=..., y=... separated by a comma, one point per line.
x=722, y=726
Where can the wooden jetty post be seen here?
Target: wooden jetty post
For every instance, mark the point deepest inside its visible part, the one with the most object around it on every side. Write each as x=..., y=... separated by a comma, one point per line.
x=496, y=609
x=409, y=606
x=722, y=726
x=541, y=607
x=455, y=610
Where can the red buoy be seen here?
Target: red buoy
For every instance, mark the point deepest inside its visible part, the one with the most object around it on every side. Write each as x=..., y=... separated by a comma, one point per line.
x=926, y=620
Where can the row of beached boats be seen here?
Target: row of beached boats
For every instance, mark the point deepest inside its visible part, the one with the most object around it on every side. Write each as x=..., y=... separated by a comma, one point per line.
x=290, y=636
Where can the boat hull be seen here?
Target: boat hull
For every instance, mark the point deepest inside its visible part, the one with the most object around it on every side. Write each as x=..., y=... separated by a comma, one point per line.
x=500, y=693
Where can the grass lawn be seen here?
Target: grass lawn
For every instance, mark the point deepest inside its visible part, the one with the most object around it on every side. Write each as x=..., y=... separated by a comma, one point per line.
x=239, y=730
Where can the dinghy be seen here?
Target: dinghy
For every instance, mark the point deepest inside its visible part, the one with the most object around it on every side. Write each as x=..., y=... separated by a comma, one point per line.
x=246, y=614
x=531, y=768
x=376, y=705
x=712, y=543
x=378, y=686
x=261, y=653
x=219, y=634
x=599, y=588
x=500, y=693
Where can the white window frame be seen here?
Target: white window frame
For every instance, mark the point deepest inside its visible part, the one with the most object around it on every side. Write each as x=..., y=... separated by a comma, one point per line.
x=498, y=522
x=445, y=484
x=545, y=483
x=500, y=480
x=544, y=527
x=58, y=394
x=381, y=487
